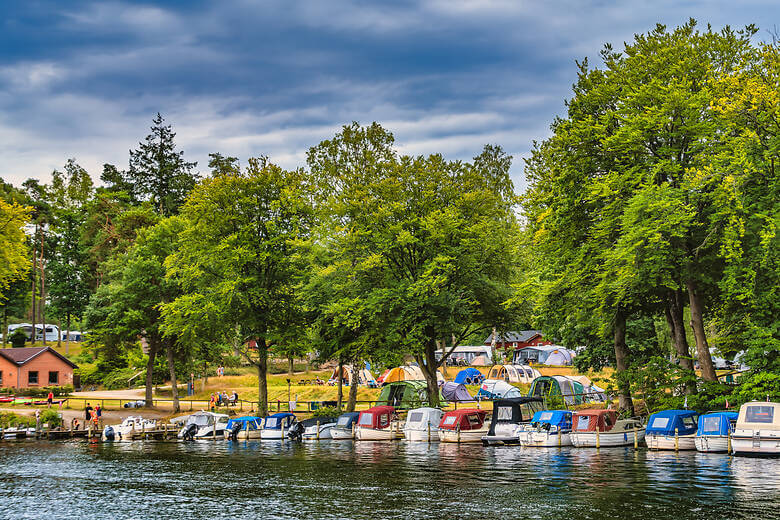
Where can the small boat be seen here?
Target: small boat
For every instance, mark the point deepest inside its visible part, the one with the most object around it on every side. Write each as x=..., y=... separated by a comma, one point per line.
x=243, y=428
x=757, y=431
x=601, y=428
x=464, y=425
x=422, y=425
x=344, y=429
x=509, y=416
x=548, y=428
x=278, y=425
x=317, y=428
x=17, y=432
x=204, y=425
x=714, y=430
x=378, y=424
x=132, y=426
x=671, y=430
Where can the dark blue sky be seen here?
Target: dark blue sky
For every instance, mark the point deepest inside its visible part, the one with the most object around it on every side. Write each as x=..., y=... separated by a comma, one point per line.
x=84, y=79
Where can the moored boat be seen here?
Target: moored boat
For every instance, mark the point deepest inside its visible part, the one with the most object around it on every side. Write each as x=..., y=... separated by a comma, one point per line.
x=277, y=426
x=317, y=428
x=133, y=426
x=243, y=428
x=548, y=428
x=509, y=416
x=464, y=425
x=672, y=430
x=378, y=424
x=344, y=429
x=714, y=430
x=204, y=425
x=601, y=429
x=757, y=431
x=422, y=424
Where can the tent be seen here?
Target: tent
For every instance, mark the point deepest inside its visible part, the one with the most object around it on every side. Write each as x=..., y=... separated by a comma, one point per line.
x=404, y=395
x=569, y=389
x=513, y=373
x=546, y=355
x=455, y=392
x=561, y=356
x=364, y=376
x=479, y=361
x=469, y=376
x=405, y=373
x=495, y=389
x=669, y=422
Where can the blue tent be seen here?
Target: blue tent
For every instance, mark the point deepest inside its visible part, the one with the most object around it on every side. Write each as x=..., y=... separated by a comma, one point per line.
x=667, y=421
x=255, y=423
x=716, y=423
x=561, y=419
x=469, y=376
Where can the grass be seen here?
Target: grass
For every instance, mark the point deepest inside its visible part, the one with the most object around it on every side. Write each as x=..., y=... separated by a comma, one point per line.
x=73, y=350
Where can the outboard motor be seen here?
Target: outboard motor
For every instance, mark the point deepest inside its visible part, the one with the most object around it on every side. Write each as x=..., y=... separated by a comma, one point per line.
x=108, y=433
x=234, y=431
x=296, y=432
x=189, y=433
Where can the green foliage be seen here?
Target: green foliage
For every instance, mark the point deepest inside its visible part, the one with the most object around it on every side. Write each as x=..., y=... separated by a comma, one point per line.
x=120, y=378
x=52, y=418
x=326, y=411
x=12, y=420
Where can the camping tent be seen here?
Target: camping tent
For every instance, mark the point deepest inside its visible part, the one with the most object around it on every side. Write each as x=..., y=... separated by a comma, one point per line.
x=513, y=373
x=480, y=361
x=364, y=376
x=545, y=354
x=405, y=394
x=496, y=389
x=405, y=373
x=572, y=391
x=469, y=376
x=455, y=392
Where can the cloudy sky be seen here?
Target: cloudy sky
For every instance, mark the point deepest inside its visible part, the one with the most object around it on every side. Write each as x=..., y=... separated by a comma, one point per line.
x=244, y=78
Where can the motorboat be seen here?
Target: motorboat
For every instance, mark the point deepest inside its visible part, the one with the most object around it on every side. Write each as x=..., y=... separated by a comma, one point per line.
x=378, y=424
x=317, y=428
x=344, y=429
x=464, y=425
x=714, y=430
x=278, y=426
x=548, y=428
x=601, y=428
x=133, y=426
x=243, y=428
x=672, y=430
x=204, y=425
x=17, y=432
x=757, y=431
x=422, y=424
x=509, y=416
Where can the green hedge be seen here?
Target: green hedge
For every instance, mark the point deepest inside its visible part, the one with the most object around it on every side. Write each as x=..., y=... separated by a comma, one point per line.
x=58, y=391
x=10, y=419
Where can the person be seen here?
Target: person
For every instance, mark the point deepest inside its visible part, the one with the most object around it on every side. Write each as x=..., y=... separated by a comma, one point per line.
x=235, y=397
x=98, y=411
x=87, y=413
x=50, y=398
x=94, y=418
x=212, y=402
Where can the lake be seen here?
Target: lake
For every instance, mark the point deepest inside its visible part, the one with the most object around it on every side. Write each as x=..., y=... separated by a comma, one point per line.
x=342, y=479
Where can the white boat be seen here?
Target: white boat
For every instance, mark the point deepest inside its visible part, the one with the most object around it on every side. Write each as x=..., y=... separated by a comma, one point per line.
x=244, y=428
x=714, y=432
x=509, y=416
x=757, y=431
x=317, y=428
x=464, y=425
x=278, y=426
x=17, y=433
x=133, y=426
x=602, y=429
x=422, y=425
x=672, y=430
x=547, y=429
x=378, y=424
x=204, y=425
x=345, y=426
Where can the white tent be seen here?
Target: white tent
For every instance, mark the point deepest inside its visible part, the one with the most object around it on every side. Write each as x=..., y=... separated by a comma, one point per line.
x=497, y=389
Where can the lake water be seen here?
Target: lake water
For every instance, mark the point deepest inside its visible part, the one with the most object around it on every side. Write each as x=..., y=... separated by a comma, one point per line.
x=330, y=479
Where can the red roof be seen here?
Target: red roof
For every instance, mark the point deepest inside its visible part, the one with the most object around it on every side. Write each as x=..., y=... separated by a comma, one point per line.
x=377, y=417
x=466, y=418
x=604, y=419
x=20, y=356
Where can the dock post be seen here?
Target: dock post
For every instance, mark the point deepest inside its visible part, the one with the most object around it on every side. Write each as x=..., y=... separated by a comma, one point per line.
x=598, y=440
x=282, y=430
x=636, y=440
x=318, y=429
x=559, y=437
x=214, y=431
x=429, y=432
x=676, y=440
x=728, y=442
x=353, y=431
x=457, y=430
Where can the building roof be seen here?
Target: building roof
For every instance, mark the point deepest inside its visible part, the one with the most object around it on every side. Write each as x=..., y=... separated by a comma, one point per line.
x=20, y=356
x=515, y=336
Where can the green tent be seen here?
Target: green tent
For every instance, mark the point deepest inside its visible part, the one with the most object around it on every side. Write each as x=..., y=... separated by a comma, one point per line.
x=550, y=387
x=405, y=395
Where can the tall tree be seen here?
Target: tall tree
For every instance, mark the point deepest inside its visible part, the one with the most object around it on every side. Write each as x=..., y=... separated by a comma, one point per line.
x=14, y=259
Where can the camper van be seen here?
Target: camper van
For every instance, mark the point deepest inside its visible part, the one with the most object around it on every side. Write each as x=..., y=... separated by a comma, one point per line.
x=52, y=331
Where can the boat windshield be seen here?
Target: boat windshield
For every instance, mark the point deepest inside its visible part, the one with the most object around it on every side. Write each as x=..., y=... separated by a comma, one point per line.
x=474, y=420
x=199, y=420
x=271, y=422
x=504, y=413
x=582, y=423
x=343, y=421
x=415, y=417
x=760, y=414
x=367, y=419
x=660, y=422
x=689, y=422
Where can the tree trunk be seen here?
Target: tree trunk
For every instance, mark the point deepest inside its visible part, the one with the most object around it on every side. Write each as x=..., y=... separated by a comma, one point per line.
x=67, y=338
x=428, y=365
x=290, y=364
x=353, y=386
x=339, y=382
x=172, y=370
x=42, y=300
x=697, y=324
x=5, y=325
x=493, y=352
x=33, y=318
x=262, y=382
x=150, y=372
x=674, y=317
x=59, y=334
x=625, y=402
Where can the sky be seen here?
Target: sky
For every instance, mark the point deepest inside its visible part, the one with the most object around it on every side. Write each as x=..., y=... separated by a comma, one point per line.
x=84, y=80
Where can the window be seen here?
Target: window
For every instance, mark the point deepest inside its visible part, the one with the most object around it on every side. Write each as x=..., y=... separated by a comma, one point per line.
x=54, y=378
x=545, y=416
x=660, y=422
x=32, y=377
x=710, y=424
x=582, y=423
x=271, y=422
x=366, y=419
x=415, y=417
x=474, y=421
x=760, y=414
x=504, y=413
x=688, y=422
x=384, y=420
x=449, y=420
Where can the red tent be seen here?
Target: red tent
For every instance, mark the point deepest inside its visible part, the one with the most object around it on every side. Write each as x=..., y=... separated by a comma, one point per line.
x=377, y=417
x=587, y=420
x=466, y=418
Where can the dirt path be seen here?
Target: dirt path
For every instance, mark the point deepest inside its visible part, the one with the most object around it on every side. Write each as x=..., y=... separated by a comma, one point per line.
x=111, y=394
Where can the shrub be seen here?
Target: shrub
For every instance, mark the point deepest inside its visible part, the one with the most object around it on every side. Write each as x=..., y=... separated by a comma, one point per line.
x=89, y=374
x=53, y=418
x=10, y=420
x=327, y=411
x=118, y=379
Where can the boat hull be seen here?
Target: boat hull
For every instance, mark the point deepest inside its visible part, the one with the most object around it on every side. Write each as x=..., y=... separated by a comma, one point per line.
x=341, y=434
x=536, y=439
x=422, y=435
x=750, y=442
x=273, y=435
x=712, y=443
x=606, y=439
x=311, y=433
x=462, y=436
x=370, y=434
x=667, y=442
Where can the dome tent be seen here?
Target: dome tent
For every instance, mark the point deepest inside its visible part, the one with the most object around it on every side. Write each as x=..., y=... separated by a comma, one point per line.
x=469, y=376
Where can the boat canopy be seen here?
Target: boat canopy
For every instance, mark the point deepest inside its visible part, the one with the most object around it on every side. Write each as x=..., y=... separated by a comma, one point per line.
x=277, y=420
x=420, y=418
x=455, y=392
x=559, y=418
x=588, y=420
x=469, y=376
x=495, y=389
x=377, y=417
x=759, y=415
x=247, y=423
x=667, y=422
x=306, y=423
x=516, y=410
x=346, y=420
x=465, y=418
x=716, y=423
x=404, y=395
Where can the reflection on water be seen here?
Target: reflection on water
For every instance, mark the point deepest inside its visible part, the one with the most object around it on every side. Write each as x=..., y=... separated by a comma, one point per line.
x=342, y=479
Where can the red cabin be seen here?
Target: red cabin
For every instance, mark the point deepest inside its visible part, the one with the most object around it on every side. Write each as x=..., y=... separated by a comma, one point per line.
x=588, y=420
x=378, y=417
x=465, y=418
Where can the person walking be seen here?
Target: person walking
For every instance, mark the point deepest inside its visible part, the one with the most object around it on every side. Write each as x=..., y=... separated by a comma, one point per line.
x=87, y=414
x=50, y=398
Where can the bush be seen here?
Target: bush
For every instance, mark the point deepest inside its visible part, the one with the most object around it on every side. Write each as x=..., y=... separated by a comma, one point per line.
x=327, y=411
x=10, y=420
x=118, y=379
x=89, y=374
x=53, y=418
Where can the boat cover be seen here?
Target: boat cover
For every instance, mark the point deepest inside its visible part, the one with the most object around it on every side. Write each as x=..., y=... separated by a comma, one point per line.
x=420, y=418
x=275, y=421
x=517, y=410
x=377, y=417
x=346, y=420
x=559, y=418
x=716, y=423
x=255, y=423
x=466, y=418
x=667, y=421
x=588, y=420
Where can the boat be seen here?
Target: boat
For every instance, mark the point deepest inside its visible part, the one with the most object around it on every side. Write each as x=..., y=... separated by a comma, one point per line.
x=132, y=426
x=378, y=424
x=344, y=428
x=714, y=431
x=464, y=425
x=278, y=425
x=671, y=430
x=509, y=416
x=243, y=428
x=16, y=432
x=757, y=431
x=317, y=428
x=204, y=425
x=422, y=425
x=548, y=428
x=601, y=428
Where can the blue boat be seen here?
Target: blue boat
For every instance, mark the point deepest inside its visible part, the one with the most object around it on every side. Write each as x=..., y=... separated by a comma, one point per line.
x=715, y=429
x=345, y=426
x=672, y=430
x=242, y=428
x=278, y=425
x=548, y=428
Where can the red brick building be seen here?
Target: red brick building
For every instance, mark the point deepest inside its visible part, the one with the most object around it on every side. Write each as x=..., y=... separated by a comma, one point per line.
x=518, y=340
x=34, y=367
